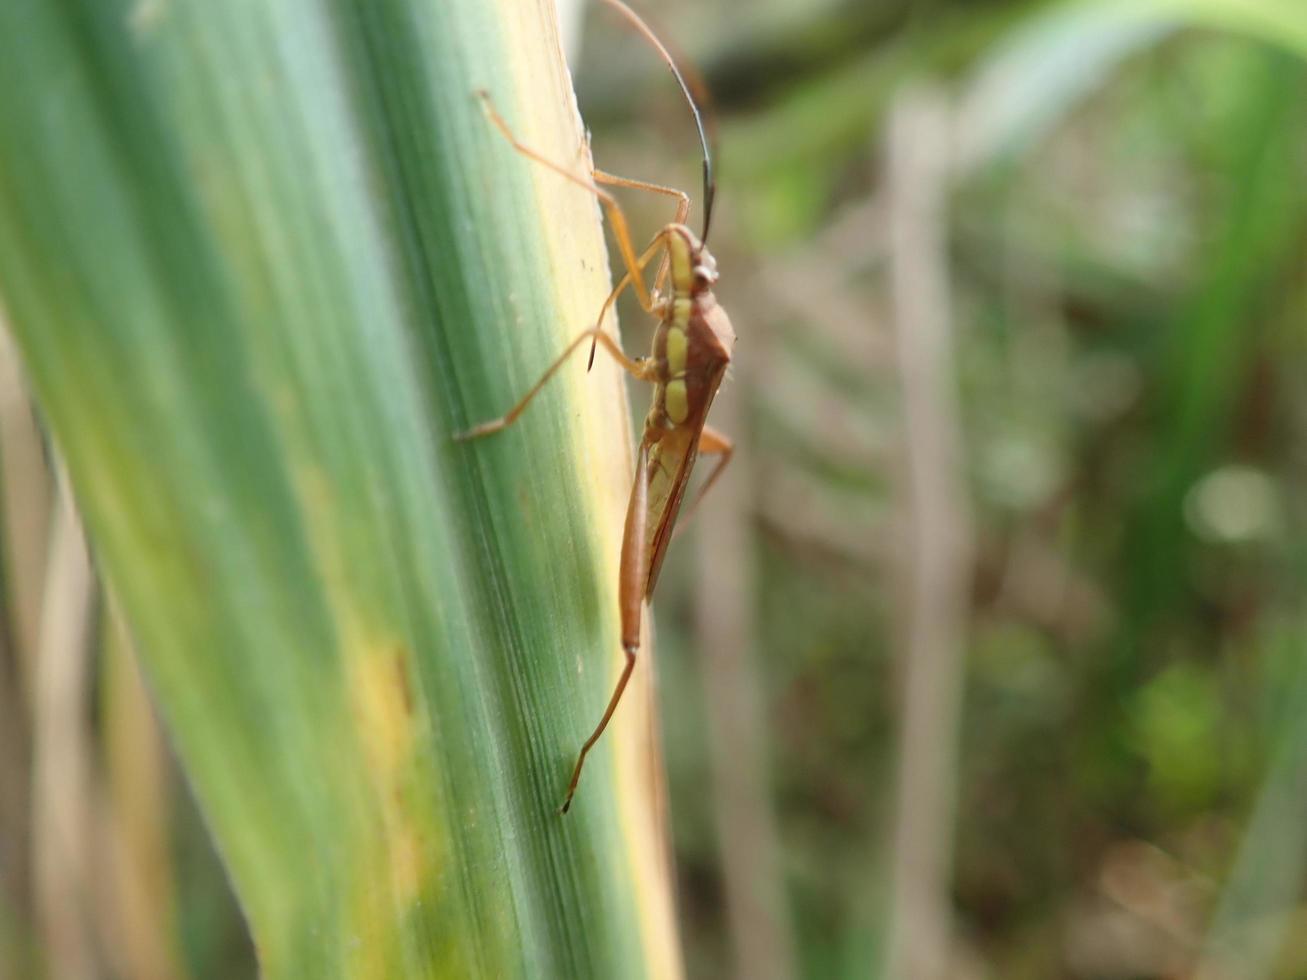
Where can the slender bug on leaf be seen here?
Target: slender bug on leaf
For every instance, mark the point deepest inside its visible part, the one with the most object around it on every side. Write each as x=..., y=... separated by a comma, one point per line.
x=691, y=350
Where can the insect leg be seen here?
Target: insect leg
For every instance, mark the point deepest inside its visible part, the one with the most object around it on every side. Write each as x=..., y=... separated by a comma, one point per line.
x=616, y=217
x=659, y=241
x=711, y=443
x=613, y=180
x=634, y=570
x=682, y=209
x=637, y=367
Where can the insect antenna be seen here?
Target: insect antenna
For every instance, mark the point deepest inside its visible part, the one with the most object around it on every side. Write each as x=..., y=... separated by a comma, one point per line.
x=709, y=178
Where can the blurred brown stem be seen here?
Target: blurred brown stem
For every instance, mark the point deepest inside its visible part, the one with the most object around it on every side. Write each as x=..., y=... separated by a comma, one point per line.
x=934, y=556
x=24, y=494
x=25, y=497
x=61, y=763
x=136, y=901
x=742, y=805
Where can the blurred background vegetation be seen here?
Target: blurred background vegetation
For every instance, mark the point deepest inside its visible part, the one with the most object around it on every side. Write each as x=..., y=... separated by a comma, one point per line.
x=987, y=659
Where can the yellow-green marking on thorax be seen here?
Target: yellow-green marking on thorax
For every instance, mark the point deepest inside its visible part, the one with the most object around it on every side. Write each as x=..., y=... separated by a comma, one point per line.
x=675, y=397
x=682, y=273
x=677, y=345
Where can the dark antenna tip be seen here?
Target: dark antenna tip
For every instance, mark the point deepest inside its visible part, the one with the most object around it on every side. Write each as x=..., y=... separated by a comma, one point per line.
x=709, y=181
x=709, y=192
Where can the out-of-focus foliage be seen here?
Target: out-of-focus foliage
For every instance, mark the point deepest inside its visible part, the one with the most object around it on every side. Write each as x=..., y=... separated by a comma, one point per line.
x=1127, y=268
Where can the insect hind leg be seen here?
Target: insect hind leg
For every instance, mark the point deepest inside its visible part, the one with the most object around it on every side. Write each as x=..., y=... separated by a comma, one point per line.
x=634, y=570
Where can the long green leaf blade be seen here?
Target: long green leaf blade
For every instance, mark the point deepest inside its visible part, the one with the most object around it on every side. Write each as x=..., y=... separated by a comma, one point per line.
x=262, y=259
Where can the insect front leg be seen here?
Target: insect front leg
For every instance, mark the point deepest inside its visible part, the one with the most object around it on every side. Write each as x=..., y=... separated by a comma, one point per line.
x=682, y=211
x=634, y=570
x=616, y=217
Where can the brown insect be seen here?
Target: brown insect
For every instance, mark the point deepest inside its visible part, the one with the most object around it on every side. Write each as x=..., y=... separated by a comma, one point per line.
x=691, y=350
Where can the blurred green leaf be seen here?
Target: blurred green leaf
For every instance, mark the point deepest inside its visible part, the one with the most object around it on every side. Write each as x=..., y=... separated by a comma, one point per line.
x=1179, y=729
